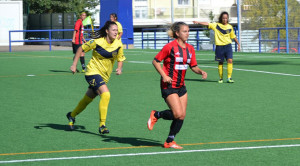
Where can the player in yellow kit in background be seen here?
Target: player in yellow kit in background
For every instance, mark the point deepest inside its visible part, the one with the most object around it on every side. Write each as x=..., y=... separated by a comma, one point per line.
x=114, y=18
x=224, y=34
x=106, y=49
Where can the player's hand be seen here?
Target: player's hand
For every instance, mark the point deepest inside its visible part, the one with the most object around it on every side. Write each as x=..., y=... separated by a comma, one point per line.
x=73, y=69
x=204, y=75
x=118, y=71
x=167, y=79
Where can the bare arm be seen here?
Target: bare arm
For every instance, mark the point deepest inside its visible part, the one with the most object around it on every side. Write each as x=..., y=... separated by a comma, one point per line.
x=77, y=55
x=159, y=69
x=73, y=38
x=197, y=70
x=201, y=23
x=237, y=42
x=119, y=69
x=120, y=35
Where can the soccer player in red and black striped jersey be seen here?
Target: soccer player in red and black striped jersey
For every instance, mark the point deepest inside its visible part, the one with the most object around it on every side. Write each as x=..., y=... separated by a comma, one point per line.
x=78, y=38
x=177, y=56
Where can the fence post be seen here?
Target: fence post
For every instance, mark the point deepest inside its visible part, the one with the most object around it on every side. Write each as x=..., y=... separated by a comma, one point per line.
x=298, y=40
x=10, y=41
x=154, y=39
x=142, y=39
x=278, y=39
x=197, y=40
x=259, y=41
x=50, y=40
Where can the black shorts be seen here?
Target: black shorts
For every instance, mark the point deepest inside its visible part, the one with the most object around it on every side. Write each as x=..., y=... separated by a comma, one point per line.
x=223, y=52
x=95, y=81
x=166, y=92
x=75, y=47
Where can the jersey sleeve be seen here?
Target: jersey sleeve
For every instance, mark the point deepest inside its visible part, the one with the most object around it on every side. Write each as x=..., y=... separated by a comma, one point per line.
x=120, y=56
x=232, y=34
x=212, y=26
x=193, y=58
x=163, y=53
x=89, y=45
x=77, y=26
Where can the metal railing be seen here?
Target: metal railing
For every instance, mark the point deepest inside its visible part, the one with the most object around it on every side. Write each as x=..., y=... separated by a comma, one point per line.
x=197, y=39
x=50, y=39
x=279, y=40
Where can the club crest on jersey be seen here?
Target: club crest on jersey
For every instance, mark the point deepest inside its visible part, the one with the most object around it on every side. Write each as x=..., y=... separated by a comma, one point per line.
x=114, y=53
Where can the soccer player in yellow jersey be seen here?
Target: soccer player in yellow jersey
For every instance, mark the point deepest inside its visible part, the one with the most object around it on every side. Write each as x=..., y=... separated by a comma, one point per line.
x=106, y=49
x=114, y=18
x=224, y=34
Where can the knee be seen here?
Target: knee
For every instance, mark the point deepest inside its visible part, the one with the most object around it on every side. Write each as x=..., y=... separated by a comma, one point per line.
x=180, y=116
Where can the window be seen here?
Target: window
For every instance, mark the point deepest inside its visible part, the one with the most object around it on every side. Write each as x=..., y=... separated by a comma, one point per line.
x=183, y=2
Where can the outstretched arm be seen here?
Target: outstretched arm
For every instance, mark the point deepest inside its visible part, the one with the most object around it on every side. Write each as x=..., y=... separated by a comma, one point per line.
x=201, y=23
x=197, y=70
x=77, y=55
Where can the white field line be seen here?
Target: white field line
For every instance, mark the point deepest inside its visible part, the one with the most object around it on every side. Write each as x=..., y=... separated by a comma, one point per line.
x=249, y=70
x=151, y=153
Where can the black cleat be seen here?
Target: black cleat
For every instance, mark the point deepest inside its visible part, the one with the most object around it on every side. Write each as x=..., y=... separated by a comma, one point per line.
x=103, y=130
x=71, y=120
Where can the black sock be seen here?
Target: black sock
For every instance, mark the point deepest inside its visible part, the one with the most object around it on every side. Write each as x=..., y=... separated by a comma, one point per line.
x=166, y=114
x=82, y=61
x=175, y=127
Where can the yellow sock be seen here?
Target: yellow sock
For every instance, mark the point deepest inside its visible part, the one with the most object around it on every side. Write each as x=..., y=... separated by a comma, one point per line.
x=220, y=69
x=103, y=105
x=81, y=105
x=229, y=70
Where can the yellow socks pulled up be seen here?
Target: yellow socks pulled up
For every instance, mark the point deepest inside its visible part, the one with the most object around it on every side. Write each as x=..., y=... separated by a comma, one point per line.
x=103, y=106
x=81, y=105
x=229, y=70
x=220, y=69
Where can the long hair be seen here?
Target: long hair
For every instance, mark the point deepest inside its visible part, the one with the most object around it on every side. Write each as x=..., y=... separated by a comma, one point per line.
x=175, y=27
x=102, y=31
x=221, y=15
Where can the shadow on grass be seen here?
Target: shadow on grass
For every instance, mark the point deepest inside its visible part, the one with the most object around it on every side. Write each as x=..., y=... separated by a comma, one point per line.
x=201, y=80
x=106, y=138
x=60, y=71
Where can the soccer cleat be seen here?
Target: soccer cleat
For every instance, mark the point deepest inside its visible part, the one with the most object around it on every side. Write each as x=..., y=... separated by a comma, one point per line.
x=172, y=144
x=71, y=120
x=230, y=80
x=152, y=120
x=220, y=81
x=103, y=130
x=82, y=71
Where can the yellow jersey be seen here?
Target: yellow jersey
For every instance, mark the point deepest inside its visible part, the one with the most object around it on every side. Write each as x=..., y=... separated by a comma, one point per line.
x=223, y=33
x=120, y=28
x=104, y=56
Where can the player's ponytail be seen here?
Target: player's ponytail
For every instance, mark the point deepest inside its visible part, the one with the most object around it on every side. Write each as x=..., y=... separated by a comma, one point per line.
x=175, y=27
x=102, y=31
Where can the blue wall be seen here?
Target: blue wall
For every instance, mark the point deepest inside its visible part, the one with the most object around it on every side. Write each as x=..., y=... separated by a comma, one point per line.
x=123, y=9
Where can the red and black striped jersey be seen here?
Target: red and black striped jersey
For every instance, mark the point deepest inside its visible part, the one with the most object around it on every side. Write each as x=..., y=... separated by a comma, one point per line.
x=176, y=61
x=79, y=31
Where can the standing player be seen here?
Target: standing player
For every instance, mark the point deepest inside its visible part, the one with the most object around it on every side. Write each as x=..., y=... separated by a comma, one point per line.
x=224, y=34
x=114, y=18
x=177, y=56
x=106, y=50
x=78, y=38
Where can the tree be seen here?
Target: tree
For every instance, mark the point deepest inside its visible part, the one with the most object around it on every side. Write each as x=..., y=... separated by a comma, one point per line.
x=60, y=6
x=270, y=14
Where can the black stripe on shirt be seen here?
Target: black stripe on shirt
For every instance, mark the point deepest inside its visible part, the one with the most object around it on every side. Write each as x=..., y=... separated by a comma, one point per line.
x=227, y=31
x=172, y=61
x=179, y=76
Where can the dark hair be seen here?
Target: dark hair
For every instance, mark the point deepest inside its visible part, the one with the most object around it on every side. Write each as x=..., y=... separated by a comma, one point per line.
x=175, y=27
x=221, y=15
x=102, y=31
x=114, y=15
